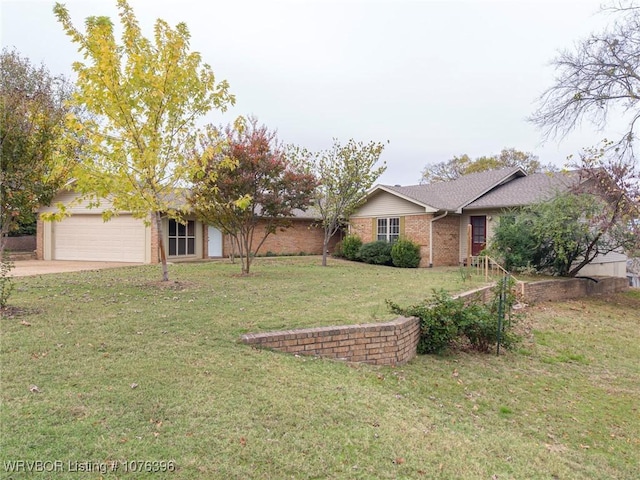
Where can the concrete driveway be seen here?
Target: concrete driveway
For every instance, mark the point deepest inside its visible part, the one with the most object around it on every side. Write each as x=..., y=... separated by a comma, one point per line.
x=25, y=268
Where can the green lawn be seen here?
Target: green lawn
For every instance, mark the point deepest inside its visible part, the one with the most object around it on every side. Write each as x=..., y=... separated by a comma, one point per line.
x=127, y=369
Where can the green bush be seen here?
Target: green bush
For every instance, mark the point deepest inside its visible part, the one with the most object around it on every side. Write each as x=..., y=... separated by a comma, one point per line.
x=439, y=320
x=514, y=244
x=405, y=254
x=376, y=253
x=446, y=322
x=351, y=247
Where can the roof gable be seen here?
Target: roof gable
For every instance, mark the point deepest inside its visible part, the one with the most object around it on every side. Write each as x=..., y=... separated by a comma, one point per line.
x=454, y=195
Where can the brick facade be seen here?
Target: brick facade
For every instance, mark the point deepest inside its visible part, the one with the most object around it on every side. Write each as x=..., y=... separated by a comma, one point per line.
x=363, y=228
x=304, y=236
x=390, y=343
x=446, y=241
x=416, y=229
x=446, y=236
x=40, y=239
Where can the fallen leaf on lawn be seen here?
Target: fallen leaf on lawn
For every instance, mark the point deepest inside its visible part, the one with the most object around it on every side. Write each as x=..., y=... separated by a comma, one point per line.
x=25, y=323
x=455, y=373
x=34, y=389
x=243, y=441
x=399, y=461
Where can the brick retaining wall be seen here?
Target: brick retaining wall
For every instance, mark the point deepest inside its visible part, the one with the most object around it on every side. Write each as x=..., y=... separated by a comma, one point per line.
x=395, y=342
x=389, y=343
x=554, y=290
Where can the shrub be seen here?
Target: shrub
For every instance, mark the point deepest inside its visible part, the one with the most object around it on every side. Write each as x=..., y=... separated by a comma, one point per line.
x=351, y=247
x=513, y=243
x=405, y=254
x=439, y=321
x=446, y=322
x=376, y=253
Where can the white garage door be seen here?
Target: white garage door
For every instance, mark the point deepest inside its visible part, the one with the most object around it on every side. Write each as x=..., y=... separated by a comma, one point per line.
x=88, y=237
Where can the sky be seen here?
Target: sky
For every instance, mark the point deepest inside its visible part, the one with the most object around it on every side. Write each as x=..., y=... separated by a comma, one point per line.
x=434, y=79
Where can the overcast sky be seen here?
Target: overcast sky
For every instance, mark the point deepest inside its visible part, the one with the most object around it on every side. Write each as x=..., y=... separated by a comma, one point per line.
x=435, y=79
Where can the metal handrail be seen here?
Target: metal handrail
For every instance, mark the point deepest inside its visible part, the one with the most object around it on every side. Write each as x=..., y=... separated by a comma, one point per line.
x=487, y=262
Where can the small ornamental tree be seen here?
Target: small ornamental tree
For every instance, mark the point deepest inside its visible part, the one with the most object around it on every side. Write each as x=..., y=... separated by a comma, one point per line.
x=345, y=173
x=144, y=97
x=261, y=186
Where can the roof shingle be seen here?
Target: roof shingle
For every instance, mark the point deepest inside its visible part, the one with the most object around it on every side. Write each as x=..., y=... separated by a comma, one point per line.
x=528, y=190
x=456, y=194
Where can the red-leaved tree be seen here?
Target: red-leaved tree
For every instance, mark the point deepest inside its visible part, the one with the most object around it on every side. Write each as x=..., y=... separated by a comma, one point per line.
x=247, y=181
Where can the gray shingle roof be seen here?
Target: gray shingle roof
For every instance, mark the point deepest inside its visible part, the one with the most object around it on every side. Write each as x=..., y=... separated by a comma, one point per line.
x=459, y=193
x=527, y=190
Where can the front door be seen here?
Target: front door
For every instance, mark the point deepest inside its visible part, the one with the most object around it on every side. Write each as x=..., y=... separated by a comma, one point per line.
x=478, y=233
x=215, y=242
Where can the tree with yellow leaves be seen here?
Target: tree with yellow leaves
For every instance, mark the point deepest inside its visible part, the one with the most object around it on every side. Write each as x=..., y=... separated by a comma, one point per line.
x=144, y=97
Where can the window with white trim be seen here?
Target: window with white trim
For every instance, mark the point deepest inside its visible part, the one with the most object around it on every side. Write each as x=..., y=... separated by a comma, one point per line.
x=388, y=229
x=182, y=238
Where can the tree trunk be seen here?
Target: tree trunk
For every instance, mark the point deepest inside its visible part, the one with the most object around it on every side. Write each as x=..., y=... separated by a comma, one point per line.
x=247, y=256
x=574, y=271
x=329, y=231
x=4, y=235
x=163, y=256
x=325, y=246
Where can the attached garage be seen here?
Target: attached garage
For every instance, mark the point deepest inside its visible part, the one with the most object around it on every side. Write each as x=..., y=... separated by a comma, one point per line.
x=88, y=237
x=85, y=236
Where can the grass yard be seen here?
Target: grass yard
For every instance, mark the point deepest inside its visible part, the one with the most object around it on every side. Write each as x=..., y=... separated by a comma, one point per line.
x=108, y=366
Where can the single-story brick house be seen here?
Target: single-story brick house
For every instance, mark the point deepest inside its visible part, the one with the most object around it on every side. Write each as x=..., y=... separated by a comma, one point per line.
x=440, y=216
x=85, y=236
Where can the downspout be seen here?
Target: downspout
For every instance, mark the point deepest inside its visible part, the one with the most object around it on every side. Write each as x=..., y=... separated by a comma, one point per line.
x=431, y=236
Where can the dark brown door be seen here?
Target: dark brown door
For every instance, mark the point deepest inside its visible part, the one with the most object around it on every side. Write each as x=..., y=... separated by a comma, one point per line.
x=478, y=233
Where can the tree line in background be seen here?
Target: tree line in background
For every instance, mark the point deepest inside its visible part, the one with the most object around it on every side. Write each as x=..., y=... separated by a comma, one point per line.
x=127, y=131
x=464, y=165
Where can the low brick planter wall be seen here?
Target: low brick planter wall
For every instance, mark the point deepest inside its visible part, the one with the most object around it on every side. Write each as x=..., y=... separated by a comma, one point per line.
x=389, y=343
